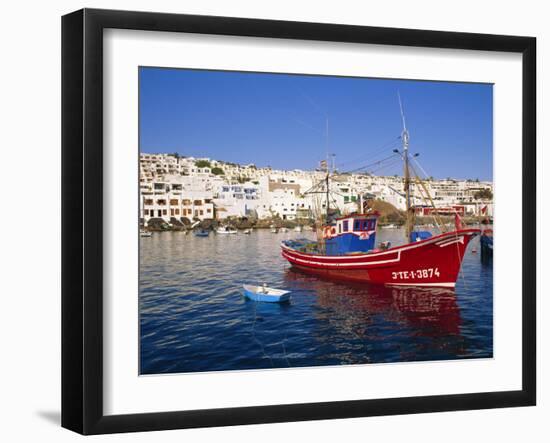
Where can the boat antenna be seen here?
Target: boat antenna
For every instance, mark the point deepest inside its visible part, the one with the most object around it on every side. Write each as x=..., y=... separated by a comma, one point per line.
x=407, y=184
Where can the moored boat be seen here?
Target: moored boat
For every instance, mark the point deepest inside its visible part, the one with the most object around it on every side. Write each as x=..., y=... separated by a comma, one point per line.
x=346, y=248
x=144, y=233
x=486, y=244
x=265, y=294
x=201, y=233
x=434, y=261
x=226, y=230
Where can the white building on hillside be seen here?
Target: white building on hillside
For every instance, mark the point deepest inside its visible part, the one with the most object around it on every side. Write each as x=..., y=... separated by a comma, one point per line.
x=239, y=200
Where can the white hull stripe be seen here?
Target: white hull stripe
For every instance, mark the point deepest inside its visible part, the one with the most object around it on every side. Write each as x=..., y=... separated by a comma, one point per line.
x=451, y=242
x=443, y=285
x=338, y=265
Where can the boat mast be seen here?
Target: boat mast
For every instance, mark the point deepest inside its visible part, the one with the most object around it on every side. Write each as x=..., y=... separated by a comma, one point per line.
x=407, y=177
x=327, y=177
x=327, y=196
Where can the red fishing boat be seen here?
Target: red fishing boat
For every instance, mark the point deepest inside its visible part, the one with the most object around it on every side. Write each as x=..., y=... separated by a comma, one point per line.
x=346, y=248
x=434, y=261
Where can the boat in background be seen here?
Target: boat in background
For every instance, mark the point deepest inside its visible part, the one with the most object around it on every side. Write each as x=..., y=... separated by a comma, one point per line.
x=226, y=230
x=266, y=294
x=144, y=233
x=201, y=233
x=486, y=245
x=247, y=231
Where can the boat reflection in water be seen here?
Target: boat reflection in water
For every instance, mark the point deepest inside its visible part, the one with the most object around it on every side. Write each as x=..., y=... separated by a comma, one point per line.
x=393, y=323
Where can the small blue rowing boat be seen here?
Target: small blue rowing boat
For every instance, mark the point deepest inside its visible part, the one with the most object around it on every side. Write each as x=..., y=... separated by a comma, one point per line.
x=263, y=293
x=201, y=233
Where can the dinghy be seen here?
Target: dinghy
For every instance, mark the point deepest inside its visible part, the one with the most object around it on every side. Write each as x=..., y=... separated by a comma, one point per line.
x=201, y=233
x=226, y=230
x=266, y=294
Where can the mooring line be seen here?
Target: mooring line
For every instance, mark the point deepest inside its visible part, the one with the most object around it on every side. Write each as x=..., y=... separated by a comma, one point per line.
x=284, y=349
x=256, y=339
x=460, y=260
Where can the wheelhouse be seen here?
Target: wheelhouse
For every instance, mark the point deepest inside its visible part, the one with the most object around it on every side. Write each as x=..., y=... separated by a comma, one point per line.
x=355, y=233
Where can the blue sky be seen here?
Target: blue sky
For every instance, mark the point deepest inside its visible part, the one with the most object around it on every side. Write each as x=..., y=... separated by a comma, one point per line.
x=279, y=120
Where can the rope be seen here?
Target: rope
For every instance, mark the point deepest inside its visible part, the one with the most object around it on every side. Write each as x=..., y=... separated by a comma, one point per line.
x=371, y=156
x=372, y=164
x=284, y=350
x=262, y=347
x=460, y=270
x=257, y=340
x=437, y=220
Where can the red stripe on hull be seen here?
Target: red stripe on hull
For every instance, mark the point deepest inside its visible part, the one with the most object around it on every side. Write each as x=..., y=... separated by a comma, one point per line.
x=432, y=262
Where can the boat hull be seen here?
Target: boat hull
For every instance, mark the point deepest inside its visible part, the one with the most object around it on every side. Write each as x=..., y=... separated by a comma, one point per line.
x=432, y=262
x=256, y=295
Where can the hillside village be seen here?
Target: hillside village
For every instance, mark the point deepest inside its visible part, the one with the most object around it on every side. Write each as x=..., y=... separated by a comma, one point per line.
x=177, y=190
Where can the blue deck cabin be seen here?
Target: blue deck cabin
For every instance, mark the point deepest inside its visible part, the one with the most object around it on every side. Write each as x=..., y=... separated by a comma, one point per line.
x=420, y=235
x=354, y=233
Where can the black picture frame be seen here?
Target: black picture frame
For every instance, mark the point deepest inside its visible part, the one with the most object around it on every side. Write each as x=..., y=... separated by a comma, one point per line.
x=82, y=218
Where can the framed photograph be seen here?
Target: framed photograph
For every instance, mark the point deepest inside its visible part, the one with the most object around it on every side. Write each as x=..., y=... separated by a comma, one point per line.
x=269, y=221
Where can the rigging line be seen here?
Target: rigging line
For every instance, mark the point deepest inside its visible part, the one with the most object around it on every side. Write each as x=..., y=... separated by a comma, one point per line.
x=312, y=102
x=421, y=168
x=372, y=164
x=386, y=164
x=438, y=224
x=435, y=216
x=316, y=188
x=373, y=158
x=382, y=167
x=377, y=151
x=316, y=130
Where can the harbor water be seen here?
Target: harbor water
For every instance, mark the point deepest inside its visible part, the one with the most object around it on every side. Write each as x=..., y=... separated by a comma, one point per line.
x=193, y=316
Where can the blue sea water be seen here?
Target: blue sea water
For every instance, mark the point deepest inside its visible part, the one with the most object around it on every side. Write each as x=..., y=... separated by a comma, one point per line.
x=194, y=318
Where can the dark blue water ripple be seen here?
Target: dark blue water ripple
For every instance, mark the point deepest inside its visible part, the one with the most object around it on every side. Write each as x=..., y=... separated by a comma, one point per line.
x=194, y=318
